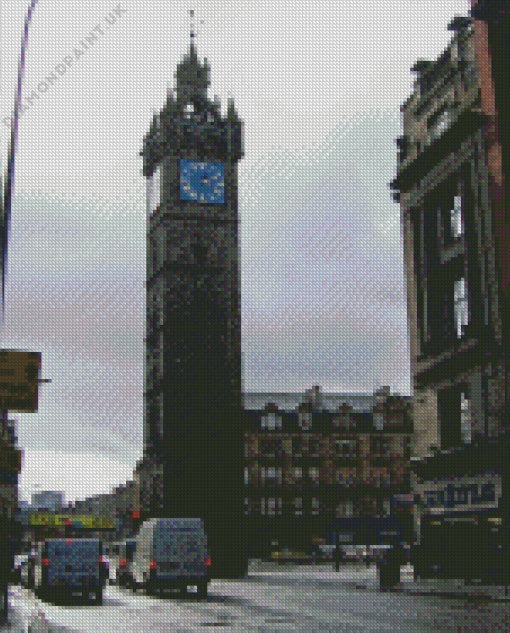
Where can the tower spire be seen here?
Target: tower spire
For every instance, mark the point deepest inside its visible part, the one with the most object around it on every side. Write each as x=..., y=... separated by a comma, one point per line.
x=192, y=76
x=191, y=27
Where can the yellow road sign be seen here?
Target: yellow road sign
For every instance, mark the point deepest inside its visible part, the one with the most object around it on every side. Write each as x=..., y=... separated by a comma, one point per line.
x=56, y=520
x=19, y=380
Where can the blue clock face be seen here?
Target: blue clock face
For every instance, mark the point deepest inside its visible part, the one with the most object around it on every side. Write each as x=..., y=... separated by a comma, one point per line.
x=202, y=181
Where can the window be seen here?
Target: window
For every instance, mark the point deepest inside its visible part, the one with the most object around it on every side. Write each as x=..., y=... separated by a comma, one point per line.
x=454, y=416
x=271, y=476
x=346, y=448
x=461, y=307
x=298, y=506
x=314, y=447
x=271, y=447
x=346, y=477
x=297, y=446
x=457, y=223
x=466, y=54
x=381, y=447
x=368, y=507
x=271, y=506
x=378, y=421
x=247, y=505
x=386, y=508
x=246, y=475
x=305, y=421
x=189, y=108
x=315, y=506
x=271, y=421
x=381, y=477
x=345, y=509
x=438, y=124
x=313, y=473
x=154, y=190
x=465, y=418
x=297, y=473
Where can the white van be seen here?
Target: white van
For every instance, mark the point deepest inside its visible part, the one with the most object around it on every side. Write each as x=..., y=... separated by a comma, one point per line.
x=73, y=566
x=171, y=554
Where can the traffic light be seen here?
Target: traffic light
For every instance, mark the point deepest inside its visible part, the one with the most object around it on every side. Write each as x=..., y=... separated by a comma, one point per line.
x=137, y=518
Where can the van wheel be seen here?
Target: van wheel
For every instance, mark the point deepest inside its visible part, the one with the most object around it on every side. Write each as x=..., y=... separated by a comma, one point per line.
x=202, y=590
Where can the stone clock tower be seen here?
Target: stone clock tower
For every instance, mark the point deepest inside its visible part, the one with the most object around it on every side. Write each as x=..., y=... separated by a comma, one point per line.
x=193, y=429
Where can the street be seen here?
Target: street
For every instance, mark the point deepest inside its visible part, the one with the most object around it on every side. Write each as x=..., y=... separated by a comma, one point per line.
x=272, y=598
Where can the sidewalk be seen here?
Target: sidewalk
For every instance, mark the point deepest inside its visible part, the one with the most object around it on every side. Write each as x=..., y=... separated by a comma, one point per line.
x=449, y=588
x=24, y=615
x=18, y=623
x=359, y=575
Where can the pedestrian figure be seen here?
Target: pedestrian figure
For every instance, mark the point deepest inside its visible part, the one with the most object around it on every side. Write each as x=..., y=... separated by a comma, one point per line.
x=388, y=567
x=337, y=557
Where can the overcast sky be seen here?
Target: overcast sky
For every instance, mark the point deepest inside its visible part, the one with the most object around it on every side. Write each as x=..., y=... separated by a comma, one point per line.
x=319, y=86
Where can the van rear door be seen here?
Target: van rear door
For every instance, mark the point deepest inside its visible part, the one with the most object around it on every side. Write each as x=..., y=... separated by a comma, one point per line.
x=74, y=562
x=180, y=551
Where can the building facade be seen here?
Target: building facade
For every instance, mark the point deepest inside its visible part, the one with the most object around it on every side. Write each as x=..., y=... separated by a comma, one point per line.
x=306, y=468
x=193, y=400
x=451, y=188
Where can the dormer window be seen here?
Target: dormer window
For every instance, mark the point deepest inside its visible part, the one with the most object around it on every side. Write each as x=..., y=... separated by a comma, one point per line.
x=305, y=420
x=461, y=306
x=438, y=123
x=343, y=418
x=457, y=223
x=271, y=421
x=378, y=421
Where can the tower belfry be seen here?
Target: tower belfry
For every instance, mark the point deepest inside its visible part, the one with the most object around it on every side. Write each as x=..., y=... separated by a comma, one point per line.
x=193, y=430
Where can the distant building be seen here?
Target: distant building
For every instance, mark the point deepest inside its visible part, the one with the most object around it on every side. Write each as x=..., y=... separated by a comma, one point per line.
x=117, y=505
x=288, y=401
x=48, y=500
x=307, y=467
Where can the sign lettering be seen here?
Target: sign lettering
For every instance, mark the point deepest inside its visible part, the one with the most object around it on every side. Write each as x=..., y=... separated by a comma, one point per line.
x=479, y=491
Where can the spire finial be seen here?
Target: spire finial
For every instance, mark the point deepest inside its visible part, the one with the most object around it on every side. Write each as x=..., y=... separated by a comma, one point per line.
x=192, y=27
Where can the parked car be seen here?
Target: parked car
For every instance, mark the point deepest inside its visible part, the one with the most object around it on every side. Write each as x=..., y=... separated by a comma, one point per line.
x=124, y=562
x=73, y=566
x=288, y=556
x=171, y=553
x=326, y=552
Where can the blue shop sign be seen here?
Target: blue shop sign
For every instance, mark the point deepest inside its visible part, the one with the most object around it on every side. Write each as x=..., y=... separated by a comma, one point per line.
x=467, y=492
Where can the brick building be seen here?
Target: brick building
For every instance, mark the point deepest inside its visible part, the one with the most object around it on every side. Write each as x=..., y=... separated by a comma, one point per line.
x=305, y=467
x=454, y=203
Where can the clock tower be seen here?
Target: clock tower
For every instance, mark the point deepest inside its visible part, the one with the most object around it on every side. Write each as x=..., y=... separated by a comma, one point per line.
x=193, y=427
